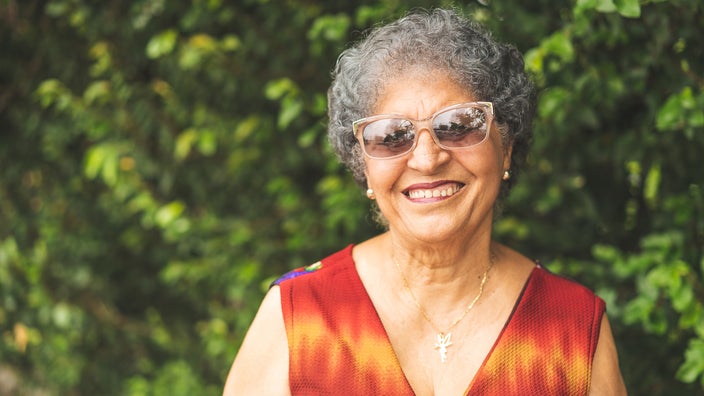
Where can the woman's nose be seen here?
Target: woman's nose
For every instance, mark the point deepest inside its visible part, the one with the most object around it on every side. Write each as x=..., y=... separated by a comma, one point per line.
x=427, y=155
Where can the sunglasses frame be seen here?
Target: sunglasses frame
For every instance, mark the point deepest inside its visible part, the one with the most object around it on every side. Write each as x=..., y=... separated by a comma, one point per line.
x=359, y=125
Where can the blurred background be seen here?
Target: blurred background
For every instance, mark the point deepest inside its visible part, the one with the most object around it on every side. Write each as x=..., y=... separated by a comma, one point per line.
x=162, y=161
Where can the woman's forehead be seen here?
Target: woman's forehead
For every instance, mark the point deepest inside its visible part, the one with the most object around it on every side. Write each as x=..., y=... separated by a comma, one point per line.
x=419, y=96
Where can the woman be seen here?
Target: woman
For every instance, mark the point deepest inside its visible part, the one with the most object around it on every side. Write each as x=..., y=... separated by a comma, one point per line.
x=433, y=118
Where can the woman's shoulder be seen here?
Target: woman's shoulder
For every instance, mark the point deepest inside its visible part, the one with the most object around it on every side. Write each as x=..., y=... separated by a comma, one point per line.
x=537, y=284
x=563, y=296
x=536, y=272
x=261, y=364
x=334, y=261
x=561, y=285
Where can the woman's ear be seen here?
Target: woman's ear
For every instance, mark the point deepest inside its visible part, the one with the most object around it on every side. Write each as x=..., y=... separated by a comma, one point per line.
x=508, y=150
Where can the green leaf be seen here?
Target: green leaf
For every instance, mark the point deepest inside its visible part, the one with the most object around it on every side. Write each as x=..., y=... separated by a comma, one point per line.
x=62, y=315
x=693, y=366
x=190, y=58
x=552, y=103
x=670, y=114
x=103, y=160
x=628, y=8
x=168, y=213
x=606, y=6
x=207, y=142
x=534, y=60
x=559, y=44
x=290, y=110
x=97, y=91
x=110, y=166
x=53, y=92
x=276, y=89
x=638, y=310
x=681, y=111
x=652, y=184
x=184, y=142
x=57, y=8
x=230, y=43
x=246, y=128
x=93, y=162
x=307, y=138
x=202, y=42
x=605, y=253
x=682, y=297
x=162, y=44
x=330, y=27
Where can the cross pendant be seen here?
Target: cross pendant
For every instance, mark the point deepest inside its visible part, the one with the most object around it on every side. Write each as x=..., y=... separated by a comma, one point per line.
x=444, y=341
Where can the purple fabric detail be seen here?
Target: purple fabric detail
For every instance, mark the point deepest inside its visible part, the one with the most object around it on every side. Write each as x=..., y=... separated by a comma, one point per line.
x=296, y=273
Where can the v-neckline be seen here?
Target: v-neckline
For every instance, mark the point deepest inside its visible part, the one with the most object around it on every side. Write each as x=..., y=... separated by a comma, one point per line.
x=389, y=346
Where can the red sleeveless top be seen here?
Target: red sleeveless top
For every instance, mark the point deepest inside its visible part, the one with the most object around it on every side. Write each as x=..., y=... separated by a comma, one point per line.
x=338, y=345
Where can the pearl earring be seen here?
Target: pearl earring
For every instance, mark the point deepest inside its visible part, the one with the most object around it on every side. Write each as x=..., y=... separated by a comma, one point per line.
x=370, y=194
x=507, y=175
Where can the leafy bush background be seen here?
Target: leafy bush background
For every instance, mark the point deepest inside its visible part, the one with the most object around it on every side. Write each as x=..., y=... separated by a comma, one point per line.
x=163, y=160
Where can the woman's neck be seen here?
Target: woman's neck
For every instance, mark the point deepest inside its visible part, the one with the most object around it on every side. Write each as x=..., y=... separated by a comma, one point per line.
x=443, y=262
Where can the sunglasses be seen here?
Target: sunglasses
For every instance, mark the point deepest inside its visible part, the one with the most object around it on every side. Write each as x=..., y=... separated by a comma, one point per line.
x=388, y=136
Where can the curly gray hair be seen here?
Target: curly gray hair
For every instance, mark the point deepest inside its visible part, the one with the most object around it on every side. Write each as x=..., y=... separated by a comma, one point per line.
x=429, y=41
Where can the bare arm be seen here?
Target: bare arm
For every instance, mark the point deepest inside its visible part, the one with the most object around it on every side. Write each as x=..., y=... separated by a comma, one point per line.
x=606, y=374
x=261, y=365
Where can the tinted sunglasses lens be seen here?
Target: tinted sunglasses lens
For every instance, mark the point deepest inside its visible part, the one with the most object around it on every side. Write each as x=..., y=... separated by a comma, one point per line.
x=463, y=127
x=388, y=137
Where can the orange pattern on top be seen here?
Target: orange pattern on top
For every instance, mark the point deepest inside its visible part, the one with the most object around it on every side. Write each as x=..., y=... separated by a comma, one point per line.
x=338, y=345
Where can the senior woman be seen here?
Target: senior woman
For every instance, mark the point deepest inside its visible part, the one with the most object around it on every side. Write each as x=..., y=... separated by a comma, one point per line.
x=433, y=117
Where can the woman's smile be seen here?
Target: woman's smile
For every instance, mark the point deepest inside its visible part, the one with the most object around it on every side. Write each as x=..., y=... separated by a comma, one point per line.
x=432, y=192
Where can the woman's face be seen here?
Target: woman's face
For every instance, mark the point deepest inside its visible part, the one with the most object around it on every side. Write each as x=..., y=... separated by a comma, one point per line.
x=432, y=194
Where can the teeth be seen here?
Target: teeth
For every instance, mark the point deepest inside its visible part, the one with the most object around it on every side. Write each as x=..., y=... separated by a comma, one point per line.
x=444, y=192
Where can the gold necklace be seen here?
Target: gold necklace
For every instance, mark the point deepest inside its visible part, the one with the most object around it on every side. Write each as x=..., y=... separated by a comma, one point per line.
x=444, y=338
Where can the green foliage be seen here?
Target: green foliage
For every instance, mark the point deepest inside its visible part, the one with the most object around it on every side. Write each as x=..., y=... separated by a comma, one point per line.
x=162, y=162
